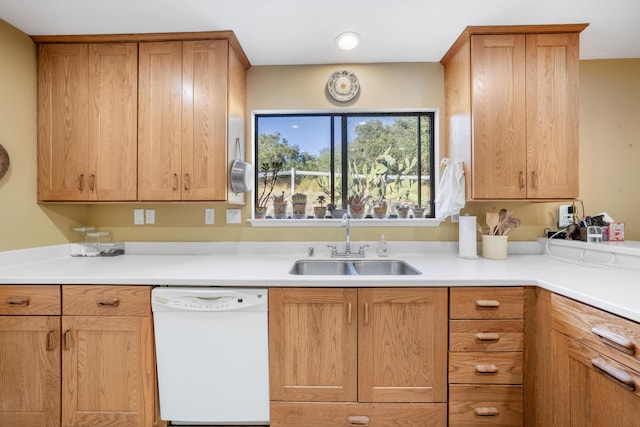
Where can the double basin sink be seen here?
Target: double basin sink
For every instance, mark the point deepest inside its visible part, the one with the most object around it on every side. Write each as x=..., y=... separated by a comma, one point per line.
x=348, y=267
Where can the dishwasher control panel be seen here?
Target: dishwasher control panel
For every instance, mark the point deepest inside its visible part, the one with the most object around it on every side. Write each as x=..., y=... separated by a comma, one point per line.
x=209, y=299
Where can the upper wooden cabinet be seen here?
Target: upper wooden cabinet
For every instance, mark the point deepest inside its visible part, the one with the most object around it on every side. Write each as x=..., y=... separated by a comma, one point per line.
x=87, y=102
x=511, y=97
x=149, y=117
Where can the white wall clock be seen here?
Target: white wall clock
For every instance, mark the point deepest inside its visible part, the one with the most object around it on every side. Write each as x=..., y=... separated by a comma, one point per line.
x=343, y=85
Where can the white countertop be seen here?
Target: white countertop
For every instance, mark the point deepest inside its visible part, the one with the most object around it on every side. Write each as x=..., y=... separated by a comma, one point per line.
x=615, y=289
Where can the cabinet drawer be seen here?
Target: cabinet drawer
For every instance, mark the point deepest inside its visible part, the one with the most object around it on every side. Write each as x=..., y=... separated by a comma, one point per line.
x=485, y=405
x=486, y=303
x=486, y=335
x=39, y=300
x=86, y=300
x=321, y=414
x=485, y=367
x=609, y=334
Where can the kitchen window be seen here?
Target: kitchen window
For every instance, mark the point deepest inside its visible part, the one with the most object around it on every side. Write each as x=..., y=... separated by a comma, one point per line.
x=369, y=164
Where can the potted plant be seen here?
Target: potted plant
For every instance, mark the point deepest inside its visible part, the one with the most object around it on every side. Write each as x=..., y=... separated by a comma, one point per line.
x=403, y=210
x=320, y=211
x=279, y=207
x=355, y=203
x=418, y=212
x=269, y=172
x=380, y=209
x=299, y=204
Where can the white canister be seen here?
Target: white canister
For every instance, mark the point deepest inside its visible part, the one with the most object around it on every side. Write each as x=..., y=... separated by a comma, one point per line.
x=494, y=247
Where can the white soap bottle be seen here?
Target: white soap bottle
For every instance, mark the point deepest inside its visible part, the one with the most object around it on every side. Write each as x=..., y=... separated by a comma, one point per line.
x=382, y=249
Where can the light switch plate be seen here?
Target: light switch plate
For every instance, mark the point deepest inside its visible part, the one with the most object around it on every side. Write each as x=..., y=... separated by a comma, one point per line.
x=233, y=216
x=138, y=216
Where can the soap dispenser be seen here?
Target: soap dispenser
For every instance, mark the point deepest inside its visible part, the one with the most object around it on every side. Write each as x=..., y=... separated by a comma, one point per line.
x=382, y=249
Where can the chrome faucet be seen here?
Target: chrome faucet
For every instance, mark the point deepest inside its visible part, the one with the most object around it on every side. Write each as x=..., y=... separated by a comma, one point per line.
x=347, y=227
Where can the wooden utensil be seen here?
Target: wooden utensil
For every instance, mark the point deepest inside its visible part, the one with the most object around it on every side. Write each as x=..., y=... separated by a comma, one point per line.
x=512, y=224
x=493, y=219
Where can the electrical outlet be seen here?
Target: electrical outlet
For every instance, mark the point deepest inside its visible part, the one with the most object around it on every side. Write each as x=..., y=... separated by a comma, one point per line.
x=209, y=215
x=565, y=215
x=150, y=216
x=138, y=216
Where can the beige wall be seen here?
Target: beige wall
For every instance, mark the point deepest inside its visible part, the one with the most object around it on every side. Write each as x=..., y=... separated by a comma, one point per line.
x=610, y=104
x=23, y=223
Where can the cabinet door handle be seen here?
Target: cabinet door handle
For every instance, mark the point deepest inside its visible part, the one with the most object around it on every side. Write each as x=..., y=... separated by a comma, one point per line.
x=349, y=313
x=51, y=340
x=175, y=182
x=486, y=369
x=358, y=420
x=17, y=301
x=109, y=303
x=186, y=182
x=487, y=336
x=521, y=179
x=66, y=340
x=487, y=304
x=616, y=375
x=614, y=340
x=486, y=412
x=80, y=182
x=534, y=179
x=366, y=313
x=92, y=182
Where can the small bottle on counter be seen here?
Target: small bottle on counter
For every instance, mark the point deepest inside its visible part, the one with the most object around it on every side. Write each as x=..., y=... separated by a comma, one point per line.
x=382, y=249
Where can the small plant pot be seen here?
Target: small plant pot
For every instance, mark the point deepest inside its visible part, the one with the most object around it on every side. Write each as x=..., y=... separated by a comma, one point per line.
x=260, y=212
x=280, y=210
x=403, y=212
x=299, y=210
x=338, y=213
x=380, y=211
x=356, y=211
x=320, y=211
x=418, y=213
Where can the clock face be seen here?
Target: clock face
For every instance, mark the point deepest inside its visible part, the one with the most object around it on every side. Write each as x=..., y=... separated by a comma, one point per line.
x=343, y=85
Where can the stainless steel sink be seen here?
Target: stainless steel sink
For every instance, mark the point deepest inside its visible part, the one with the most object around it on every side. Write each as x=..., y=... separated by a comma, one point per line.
x=344, y=267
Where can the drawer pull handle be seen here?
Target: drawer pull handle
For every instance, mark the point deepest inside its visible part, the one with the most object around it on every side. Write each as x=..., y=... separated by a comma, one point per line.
x=18, y=301
x=487, y=336
x=486, y=369
x=616, y=375
x=366, y=313
x=358, y=420
x=486, y=412
x=487, y=304
x=349, y=313
x=109, y=303
x=66, y=340
x=51, y=340
x=614, y=340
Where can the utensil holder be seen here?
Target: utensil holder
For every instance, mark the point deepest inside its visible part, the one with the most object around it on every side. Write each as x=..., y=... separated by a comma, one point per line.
x=494, y=247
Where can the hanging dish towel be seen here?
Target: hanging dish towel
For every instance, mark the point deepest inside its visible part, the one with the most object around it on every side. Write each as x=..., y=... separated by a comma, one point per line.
x=450, y=192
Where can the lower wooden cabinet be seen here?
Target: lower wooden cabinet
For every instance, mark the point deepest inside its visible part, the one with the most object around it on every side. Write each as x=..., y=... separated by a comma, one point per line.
x=482, y=405
x=76, y=356
x=321, y=414
x=595, y=383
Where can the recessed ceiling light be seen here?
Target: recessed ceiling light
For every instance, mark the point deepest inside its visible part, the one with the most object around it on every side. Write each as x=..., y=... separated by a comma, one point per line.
x=348, y=40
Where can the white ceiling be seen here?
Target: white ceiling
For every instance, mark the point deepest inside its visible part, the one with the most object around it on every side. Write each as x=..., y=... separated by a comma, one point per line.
x=279, y=32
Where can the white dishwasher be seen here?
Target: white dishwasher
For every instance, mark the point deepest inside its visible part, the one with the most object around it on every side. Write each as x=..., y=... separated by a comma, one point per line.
x=212, y=355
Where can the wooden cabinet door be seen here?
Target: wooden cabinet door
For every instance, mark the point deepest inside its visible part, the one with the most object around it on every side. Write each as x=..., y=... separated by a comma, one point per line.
x=107, y=365
x=312, y=344
x=552, y=115
x=587, y=397
x=498, y=116
x=402, y=345
x=159, y=121
x=113, y=133
x=63, y=126
x=204, y=120
x=30, y=371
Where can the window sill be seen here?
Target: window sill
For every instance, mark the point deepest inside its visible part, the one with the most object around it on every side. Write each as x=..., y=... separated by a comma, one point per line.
x=369, y=222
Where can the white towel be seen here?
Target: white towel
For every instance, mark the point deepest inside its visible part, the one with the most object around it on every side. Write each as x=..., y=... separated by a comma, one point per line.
x=450, y=193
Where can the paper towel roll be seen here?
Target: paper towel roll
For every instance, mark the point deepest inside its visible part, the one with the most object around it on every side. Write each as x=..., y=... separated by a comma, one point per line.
x=467, y=245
